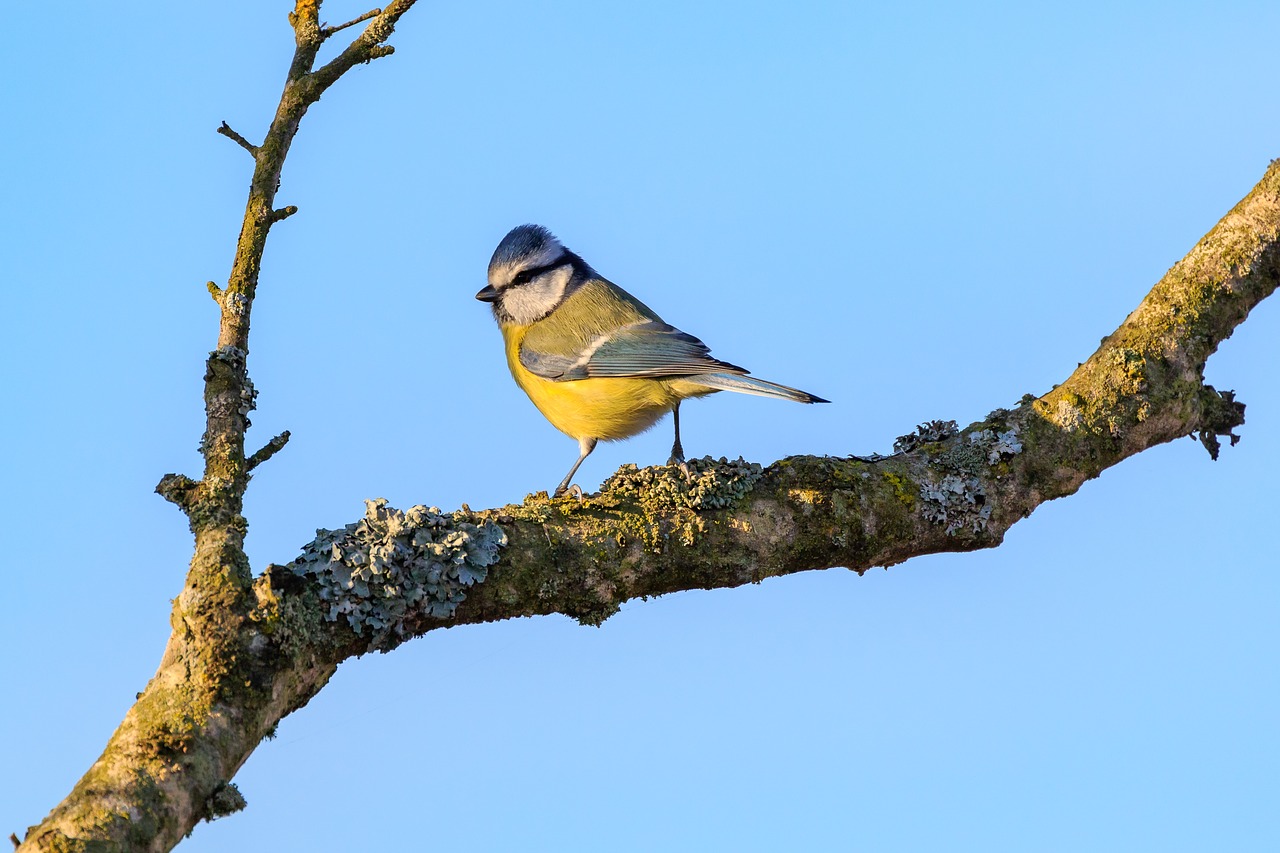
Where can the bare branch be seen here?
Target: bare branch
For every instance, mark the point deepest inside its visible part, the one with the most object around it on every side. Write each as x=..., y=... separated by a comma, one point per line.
x=271, y=448
x=365, y=47
x=283, y=213
x=214, y=291
x=226, y=131
x=326, y=32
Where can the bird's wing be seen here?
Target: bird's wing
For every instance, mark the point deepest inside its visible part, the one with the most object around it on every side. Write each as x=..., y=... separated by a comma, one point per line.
x=650, y=350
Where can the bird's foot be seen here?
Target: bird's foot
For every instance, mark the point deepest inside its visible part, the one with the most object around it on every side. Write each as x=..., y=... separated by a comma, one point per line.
x=574, y=491
x=678, y=462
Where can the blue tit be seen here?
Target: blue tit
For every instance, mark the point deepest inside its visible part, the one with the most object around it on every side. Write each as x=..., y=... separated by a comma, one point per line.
x=596, y=361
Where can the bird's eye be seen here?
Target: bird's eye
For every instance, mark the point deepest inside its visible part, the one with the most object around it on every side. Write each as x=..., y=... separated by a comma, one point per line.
x=521, y=277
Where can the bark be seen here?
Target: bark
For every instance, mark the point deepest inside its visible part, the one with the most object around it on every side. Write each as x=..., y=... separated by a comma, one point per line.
x=246, y=651
x=169, y=762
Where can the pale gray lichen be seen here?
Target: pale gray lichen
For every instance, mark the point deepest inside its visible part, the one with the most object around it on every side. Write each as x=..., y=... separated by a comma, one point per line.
x=958, y=502
x=925, y=433
x=1132, y=363
x=709, y=483
x=997, y=445
x=248, y=400
x=234, y=358
x=230, y=354
x=1069, y=416
x=1006, y=444
x=391, y=565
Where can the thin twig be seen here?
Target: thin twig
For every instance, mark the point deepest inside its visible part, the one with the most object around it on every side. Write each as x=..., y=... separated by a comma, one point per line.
x=14, y=838
x=215, y=292
x=272, y=447
x=226, y=131
x=369, y=45
x=284, y=213
x=325, y=32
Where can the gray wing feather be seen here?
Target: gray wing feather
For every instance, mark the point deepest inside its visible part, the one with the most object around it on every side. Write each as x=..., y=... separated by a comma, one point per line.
x=652, y=350
x=546, y=365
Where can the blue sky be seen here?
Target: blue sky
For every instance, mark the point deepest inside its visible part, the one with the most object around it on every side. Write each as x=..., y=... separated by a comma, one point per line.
x=916, y=210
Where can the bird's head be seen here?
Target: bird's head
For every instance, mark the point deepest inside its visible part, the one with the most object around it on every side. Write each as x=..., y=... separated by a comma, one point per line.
x=529, y=275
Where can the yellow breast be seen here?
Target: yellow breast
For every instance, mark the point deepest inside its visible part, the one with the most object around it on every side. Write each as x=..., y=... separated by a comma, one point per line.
x=604, y=408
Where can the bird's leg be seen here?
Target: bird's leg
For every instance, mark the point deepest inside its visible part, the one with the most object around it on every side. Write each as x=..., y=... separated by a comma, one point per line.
x=585, y=446
x=677, y=452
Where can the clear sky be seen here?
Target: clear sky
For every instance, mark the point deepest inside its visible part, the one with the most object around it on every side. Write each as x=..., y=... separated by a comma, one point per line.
x=917, y=210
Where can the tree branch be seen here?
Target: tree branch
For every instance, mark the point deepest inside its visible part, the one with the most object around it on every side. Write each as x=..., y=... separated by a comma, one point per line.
x=283, y=213
x=247, y=651
x=271, y=448
x=226, y=131
x=326, y=32
x=365, y=47
x=178, y=489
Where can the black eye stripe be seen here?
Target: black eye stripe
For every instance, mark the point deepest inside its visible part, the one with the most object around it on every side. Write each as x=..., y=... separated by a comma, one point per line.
x=526, y=276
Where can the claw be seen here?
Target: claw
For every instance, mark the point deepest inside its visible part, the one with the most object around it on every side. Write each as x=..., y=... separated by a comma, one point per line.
x=683, y=466
x=576, y=491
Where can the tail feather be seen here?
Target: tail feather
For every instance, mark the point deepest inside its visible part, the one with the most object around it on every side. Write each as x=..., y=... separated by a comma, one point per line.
x=751, y=385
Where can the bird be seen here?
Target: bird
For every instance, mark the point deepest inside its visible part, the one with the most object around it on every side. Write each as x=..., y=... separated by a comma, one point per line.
x=598, y=363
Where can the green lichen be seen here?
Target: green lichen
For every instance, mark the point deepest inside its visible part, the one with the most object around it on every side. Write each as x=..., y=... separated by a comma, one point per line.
x=225, y=800
x=959, y=455
x=903, y=488
x=536, y=507
x=292, y=622
x=1131, y=364
x=672, y=498
x=392, y=565
x=709, y=484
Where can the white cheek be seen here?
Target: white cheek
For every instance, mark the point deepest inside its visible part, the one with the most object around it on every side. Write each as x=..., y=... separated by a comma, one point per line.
x=535, y=300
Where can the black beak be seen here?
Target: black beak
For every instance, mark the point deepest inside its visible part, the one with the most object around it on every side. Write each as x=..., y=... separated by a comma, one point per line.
x=487, y=294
